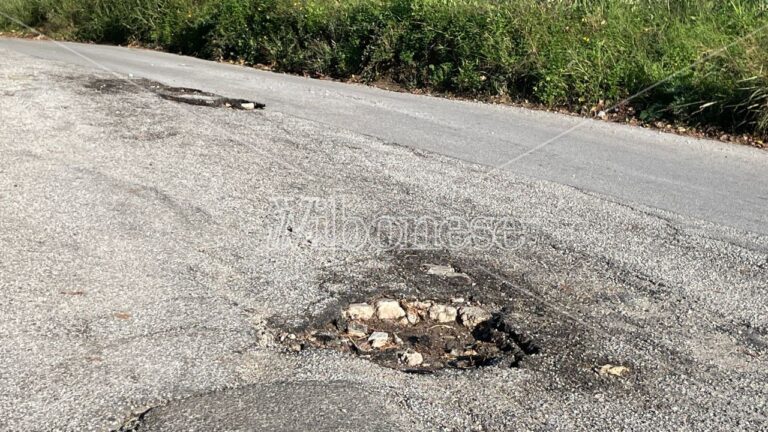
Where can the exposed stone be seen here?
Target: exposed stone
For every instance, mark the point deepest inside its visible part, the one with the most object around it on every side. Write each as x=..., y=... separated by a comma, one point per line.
x=360, y=311
x=397, y=339
x=412, y=317
x=614, y=370
x=389, y=309
x=248, y=106
x=442, y=313
x=378, y=339
x=446, y=271
x=439, y=270
x=419, y=309
x=357, y=330
x=420, y=305
x=411, y=358
x=471, y=316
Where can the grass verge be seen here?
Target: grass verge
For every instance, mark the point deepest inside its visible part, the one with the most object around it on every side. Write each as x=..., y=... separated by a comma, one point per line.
x=579, y=55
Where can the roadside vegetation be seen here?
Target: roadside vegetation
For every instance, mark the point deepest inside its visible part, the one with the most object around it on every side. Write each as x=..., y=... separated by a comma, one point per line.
x=580, y=55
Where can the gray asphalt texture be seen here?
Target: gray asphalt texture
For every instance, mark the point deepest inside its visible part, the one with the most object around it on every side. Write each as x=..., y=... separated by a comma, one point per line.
x=702, y=179
x=138, y=282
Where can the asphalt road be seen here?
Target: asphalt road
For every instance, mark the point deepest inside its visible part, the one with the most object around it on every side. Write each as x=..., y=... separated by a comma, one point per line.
x=154, y=255
x=721, y=183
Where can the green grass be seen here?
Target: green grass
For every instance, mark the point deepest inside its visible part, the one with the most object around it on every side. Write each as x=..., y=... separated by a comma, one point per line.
x=564, y=53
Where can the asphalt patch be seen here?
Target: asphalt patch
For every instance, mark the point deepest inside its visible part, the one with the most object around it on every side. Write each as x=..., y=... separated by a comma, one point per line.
x=318, y=406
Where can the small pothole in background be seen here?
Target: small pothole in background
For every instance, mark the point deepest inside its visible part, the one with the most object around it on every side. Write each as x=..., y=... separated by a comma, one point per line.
x=420, y=335
x=176, y=94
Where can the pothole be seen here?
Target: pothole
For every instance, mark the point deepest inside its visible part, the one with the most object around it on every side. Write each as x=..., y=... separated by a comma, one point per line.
x=200, y=98
x=176, y=94
x=422, y=335
x=449, y=312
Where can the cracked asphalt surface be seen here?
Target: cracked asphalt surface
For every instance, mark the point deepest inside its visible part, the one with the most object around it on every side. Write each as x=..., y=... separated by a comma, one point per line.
x=139, y=282
x=703, y=179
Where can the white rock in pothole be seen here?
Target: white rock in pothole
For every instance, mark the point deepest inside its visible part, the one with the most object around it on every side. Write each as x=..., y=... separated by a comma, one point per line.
x=471, y=316
x=446, y=271
x=357, y=330
x=418, y=308
x=248, y=105
x=361, y=311
x=378, y=339
x=439, y=270
x=389, y=309
x=420, y=305
x=412, y=317
x=412, y=358
x=442, y=313
x=609, y=369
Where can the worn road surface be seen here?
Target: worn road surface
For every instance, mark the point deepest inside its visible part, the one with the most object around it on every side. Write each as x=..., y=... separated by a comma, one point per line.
x=148, y=274
x=697, y=178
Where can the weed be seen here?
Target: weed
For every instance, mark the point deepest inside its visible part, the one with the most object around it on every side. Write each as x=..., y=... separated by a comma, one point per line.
x=566, y=53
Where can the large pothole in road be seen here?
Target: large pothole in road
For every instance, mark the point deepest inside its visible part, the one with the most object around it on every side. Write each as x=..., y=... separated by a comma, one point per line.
x=176, y=94
x=424, y=311
x=421, y=336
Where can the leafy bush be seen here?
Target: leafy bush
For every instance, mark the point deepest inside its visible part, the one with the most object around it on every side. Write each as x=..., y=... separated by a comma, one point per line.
x=571, y=53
